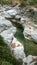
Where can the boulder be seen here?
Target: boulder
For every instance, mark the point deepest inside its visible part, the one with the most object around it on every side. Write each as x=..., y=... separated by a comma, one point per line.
x=7, y=30
x=30, y=60
x=12, y=12
x=18, y=17
x=17, y=48
x=27, y=31
x=34, y=35
x=30, y=31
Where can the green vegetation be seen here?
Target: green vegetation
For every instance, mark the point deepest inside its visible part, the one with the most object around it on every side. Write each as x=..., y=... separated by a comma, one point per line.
x=32, y=1
x=30, y=46
x=23, y=2
x=5, y=63
x=5, y=2
x=20, y=37
x=5, y=55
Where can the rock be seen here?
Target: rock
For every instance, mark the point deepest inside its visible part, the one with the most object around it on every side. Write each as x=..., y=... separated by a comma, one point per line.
x=27, y=31
x=34, y=35
x=17, y=48
x=30, y=61
x=7, y=30
x=24, y=20
x=2, y=9
x=4, y=21
x=8, y=34
x=20, y=62
x=12, y=12
x=9, y=13
x=18, y=17
x=5, y=14
x=7, y=7
x=4, y=24
x=30, y=31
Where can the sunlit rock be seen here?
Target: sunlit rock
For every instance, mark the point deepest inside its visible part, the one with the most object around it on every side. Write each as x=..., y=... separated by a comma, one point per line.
x=34, y=35
x=12, y=12
x=18, y=49
x=7, y=30
x=27, y=31
x=31, y=60
x=5, y=14
x=25, y=17
x=18, y=17
x=8, y=34
x=4, y=24
x=24, y=21
x=30, y=31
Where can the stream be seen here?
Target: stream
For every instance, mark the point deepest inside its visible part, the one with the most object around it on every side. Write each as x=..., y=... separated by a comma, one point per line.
x=15, y=27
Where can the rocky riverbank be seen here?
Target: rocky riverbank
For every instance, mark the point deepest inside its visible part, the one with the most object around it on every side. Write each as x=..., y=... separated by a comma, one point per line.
x=26, y=17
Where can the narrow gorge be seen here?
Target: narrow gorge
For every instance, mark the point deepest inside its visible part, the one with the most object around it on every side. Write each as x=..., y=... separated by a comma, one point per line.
x=18, y=27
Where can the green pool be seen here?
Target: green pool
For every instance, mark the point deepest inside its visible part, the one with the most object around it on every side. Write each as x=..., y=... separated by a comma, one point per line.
x=29, y=46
